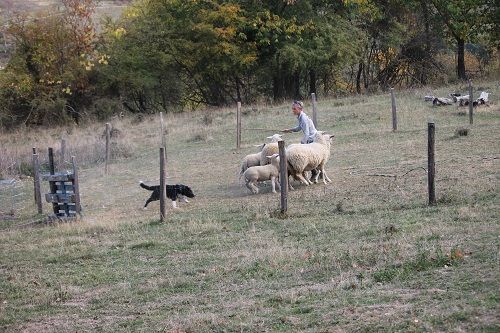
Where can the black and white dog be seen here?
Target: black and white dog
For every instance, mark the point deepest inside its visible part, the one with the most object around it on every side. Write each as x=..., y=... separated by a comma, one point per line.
x=174, y=192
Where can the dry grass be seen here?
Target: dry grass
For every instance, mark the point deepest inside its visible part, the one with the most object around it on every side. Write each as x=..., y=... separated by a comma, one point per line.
x=364, y=253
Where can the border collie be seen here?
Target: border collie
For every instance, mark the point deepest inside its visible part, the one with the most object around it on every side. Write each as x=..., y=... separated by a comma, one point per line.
x=174, y=192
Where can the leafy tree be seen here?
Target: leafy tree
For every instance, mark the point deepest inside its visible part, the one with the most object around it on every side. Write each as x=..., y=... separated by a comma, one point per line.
x=200, y=45
x=48, y=77
x=466, y=20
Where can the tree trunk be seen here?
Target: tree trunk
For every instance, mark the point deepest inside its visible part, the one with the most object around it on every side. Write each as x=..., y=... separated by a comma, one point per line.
x=461, y=59
x=358, y=78
x=238, y=92
x=296, y=85
x=425, y=11
x=312, y=81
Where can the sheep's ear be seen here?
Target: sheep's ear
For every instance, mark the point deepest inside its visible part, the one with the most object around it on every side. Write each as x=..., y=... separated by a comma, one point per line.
x=332, y=136
x=269, y=137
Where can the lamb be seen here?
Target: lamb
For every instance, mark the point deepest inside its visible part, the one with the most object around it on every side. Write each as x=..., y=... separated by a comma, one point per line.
x=251, y=160
x=306, y=157
x=264, y=150
x=270, y=149
x=263, y=172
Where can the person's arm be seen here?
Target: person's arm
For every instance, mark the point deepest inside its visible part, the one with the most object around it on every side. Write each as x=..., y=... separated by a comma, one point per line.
x=296, y=129
x=293, y=129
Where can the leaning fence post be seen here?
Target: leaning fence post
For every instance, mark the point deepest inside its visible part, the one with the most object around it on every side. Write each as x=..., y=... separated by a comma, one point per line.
x=431, y=165
x=163, y=183
x=36, y=179
x=76, y=186
x=108, y=136
x=471, y=104
x=52, y=184
x=315, y=117
x=162, y=129
x=394, y=117
x=238, y=125
x=283, y=177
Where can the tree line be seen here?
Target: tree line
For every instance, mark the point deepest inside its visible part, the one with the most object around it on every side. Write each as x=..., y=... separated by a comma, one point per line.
x=175, y=55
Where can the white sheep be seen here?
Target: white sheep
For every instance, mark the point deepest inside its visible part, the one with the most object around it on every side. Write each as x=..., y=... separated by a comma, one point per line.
x=251, y=160
x=306, y=157
x=260, y=158
x=270, y=149
x=263, y=172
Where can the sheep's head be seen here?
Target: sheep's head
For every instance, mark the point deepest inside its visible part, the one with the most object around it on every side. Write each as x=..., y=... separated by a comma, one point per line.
x=323, y=138
x=275, y=138
x=275, y=159
x=260, y=146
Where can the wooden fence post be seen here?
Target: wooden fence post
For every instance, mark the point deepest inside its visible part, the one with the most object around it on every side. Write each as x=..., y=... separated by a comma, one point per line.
x=162, y=134
x=53, y=187
x=76, y=186
x=238, y=125
x=471, y=104
x=431, y=165
x=108, y=137
x=36, y=179
x=394, y=117
x=163, y=183
x=315, y=117
x=283, y=177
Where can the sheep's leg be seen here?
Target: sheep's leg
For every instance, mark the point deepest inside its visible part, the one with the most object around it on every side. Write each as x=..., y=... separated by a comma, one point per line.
x=251, y=185
x=300, y=176
x=306, y=178
x=247, y=183
x=273, y=184
x=315, y=176
x=325, y=177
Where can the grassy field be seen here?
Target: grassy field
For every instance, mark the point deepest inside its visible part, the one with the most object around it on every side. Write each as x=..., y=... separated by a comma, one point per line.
x=364, y=253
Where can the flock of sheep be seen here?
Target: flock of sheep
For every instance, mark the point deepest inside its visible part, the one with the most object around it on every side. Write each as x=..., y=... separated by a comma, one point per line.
x=301, y=158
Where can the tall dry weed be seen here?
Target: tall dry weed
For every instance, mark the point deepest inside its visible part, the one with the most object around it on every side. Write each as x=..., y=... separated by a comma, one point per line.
x=87, y=144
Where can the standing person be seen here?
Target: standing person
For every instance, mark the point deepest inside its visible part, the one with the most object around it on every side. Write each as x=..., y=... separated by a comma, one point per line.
x=305, y=123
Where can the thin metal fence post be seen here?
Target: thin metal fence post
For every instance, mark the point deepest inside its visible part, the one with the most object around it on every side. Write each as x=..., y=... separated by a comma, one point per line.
x=283, y=177
x=471, y=104
x=36, y=179
x=431, y=165
x=76, y=186
x=108, y=137
x=163, y=183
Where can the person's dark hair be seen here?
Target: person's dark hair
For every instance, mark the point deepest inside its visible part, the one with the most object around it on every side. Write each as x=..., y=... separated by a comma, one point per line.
x=298, y=103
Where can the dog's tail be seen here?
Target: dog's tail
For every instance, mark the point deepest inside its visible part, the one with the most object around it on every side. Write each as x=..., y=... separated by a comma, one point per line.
x=146, y=186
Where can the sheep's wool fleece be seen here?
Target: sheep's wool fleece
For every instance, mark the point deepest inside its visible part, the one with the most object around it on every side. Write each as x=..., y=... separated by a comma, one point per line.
x=305, y=157
x=268, y=150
